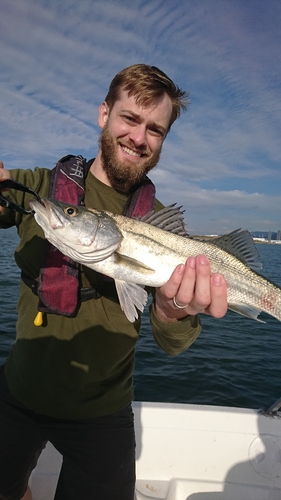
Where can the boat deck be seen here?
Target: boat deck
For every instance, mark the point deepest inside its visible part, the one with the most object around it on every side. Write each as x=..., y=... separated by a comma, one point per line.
x=194, y=452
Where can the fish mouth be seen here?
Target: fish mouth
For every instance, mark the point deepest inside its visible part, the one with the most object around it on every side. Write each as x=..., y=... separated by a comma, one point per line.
x=35, y=204
x=45, y=210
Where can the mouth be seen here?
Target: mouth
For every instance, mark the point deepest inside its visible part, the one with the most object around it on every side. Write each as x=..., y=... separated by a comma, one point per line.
x=47, y=212
x=37, y=202
x=133, y=152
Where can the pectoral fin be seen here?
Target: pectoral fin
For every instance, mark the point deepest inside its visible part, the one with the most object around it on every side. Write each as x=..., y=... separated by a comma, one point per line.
x=132, y=297
x=132, y=264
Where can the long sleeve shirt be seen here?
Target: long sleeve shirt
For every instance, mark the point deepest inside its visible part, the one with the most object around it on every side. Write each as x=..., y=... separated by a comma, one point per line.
x=78, y=367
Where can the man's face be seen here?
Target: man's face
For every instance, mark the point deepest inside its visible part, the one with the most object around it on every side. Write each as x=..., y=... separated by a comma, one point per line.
x=132, y=138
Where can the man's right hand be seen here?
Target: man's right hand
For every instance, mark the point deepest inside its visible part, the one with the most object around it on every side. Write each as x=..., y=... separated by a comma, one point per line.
x=4, y=174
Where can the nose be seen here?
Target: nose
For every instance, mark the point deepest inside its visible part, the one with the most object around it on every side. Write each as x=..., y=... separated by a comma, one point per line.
x=138, y=136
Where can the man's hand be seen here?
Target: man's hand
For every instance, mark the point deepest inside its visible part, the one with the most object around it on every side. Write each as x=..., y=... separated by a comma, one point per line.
x=192, y=285
x=4, y=174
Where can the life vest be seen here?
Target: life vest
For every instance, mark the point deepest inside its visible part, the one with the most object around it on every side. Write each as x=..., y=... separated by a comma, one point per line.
x=58, y=287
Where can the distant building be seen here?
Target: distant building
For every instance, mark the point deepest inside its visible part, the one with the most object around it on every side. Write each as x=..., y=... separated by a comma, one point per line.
x=269, y=236
x=278, y=237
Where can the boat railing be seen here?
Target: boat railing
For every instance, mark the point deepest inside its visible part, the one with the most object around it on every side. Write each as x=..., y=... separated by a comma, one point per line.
x=272, y=411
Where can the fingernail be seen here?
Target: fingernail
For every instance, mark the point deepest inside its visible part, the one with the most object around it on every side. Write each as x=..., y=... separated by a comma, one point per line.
x=202, y=260
x=192, y=262
x=216, y=279
x=181, y=268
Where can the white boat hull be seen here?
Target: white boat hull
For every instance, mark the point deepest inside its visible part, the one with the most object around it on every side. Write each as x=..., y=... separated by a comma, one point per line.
x=193, y=452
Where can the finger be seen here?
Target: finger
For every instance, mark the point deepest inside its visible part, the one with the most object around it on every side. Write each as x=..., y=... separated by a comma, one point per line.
x=170, y=288
x=202, y=292
x=218, y=287
x=185, y=291
x=4, y=174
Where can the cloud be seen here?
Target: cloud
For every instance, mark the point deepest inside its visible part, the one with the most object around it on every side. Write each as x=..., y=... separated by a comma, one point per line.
x=217, y=211
x=223, y=156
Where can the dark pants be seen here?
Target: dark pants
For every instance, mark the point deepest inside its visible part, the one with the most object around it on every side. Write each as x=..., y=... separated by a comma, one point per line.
x=98, y=453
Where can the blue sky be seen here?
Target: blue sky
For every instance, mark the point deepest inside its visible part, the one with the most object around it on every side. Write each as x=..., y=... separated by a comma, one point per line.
x=222, y=158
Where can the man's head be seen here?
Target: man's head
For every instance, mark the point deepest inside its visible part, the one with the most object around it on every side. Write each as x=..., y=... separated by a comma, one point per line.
x=147, y=83
x=138, y=111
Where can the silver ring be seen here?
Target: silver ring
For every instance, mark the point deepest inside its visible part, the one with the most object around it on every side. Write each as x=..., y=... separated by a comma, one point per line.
x=177, y=305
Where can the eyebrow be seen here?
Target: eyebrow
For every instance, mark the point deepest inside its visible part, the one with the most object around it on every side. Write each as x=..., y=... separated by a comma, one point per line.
x=152, y=123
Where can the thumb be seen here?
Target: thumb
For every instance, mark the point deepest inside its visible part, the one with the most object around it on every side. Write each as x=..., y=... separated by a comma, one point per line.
x=4, y=174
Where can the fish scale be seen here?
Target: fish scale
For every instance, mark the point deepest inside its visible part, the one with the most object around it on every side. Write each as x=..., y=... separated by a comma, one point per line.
x=245, y=287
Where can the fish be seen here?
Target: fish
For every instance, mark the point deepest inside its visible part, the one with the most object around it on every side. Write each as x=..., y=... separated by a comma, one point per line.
x=140, y=253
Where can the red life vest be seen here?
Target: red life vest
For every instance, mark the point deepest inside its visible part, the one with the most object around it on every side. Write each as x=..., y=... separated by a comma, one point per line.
x=58, y=287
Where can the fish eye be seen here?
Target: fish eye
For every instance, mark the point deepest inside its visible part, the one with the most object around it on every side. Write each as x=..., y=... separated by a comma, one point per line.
x=71, y=211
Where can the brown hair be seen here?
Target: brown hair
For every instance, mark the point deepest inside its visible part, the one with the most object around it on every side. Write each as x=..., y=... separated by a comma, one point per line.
x=147, y=83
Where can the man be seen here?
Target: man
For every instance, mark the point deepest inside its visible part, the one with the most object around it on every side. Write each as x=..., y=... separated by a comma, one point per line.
x=69, y=380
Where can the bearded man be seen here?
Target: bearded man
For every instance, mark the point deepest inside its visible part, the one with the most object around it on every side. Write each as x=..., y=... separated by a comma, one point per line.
x=68, y=380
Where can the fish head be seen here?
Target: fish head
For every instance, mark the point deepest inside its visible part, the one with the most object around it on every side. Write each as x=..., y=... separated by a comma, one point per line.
x=81, y=234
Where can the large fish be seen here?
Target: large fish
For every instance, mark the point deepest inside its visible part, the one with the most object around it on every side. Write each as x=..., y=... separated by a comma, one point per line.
x=138, y=253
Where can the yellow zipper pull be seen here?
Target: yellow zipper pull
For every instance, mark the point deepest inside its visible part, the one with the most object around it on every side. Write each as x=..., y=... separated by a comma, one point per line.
x=39, y=318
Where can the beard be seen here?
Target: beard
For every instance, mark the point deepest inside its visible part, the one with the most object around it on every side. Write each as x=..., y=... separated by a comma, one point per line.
x=123, y=176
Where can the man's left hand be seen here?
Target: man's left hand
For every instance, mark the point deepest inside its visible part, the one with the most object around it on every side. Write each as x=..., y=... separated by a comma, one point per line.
x=193, y=288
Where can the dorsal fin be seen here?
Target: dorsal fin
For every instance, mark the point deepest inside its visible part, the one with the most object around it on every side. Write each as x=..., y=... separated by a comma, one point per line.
x=169, y=218
x=240, y=244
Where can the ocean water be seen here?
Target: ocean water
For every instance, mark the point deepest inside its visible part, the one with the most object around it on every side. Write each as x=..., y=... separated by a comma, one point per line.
x=235, y=361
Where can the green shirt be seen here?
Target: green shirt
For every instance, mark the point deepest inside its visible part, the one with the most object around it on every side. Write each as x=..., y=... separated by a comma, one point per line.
x=78, y=367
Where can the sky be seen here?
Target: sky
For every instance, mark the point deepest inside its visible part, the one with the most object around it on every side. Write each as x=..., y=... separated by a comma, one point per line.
x=222, y=158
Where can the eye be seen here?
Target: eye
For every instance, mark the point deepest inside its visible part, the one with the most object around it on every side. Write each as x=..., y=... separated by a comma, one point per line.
x=156, y=132
x=71, y=211
x=129, y=118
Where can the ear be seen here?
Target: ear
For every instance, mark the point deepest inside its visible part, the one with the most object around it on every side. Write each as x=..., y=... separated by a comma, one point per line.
x=103, y=114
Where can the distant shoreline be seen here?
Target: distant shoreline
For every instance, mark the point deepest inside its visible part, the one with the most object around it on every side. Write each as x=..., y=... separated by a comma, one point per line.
x=260, y=241
x=272, y=242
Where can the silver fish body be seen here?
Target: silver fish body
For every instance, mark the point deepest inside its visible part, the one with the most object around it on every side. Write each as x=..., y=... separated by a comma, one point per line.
x=136, y=254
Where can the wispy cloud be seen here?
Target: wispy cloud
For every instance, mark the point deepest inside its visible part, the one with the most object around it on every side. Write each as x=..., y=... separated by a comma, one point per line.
x=221, y=160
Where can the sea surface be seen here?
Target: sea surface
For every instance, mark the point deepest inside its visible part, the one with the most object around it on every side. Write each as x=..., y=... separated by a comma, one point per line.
x=235, y=361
